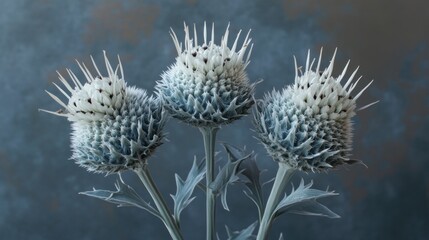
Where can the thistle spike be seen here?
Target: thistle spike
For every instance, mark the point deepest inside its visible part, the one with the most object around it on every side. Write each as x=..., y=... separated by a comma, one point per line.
x=57, y=99
x=250, y=53
x=89, y=72
x=120, y=67
x=360, y=93
x=176, y=42
x=212, y=40
x=307, y=63
x=235, y=43
x=74, y=79
x=318, y=62
x=351, y=78
x=108, y=66
x=296, y=70
x=65, y=83
x=368, y=105
x=61, y=90
x=195, y=35
x=343, y=73
x=95, y=66
x=331, y=64
x=89, y=79
x=205, y=33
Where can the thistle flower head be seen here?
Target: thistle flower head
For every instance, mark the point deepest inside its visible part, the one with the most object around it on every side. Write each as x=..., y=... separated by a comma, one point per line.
x=308, y=125
x=97, y=97
x=115, y=127
x=122, y=141
x=207, y=85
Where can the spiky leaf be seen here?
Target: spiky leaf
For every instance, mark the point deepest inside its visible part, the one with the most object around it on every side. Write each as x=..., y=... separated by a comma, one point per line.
x=303, y=200
x=124, y=196
x=249, y=169
x=227, y=175
x=184, y=189
x=244, y=234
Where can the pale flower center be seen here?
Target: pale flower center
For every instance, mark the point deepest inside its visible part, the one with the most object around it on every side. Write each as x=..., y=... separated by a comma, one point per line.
x=323, y=96
x=97, y=98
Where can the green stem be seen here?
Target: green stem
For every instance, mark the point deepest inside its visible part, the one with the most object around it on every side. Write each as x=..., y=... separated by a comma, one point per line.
x=284, y=173
x=209, y=135
x=168, y=220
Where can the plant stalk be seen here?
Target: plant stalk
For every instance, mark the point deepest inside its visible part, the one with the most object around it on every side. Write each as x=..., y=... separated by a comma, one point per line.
x=160, y=204
x=284, y=173
x=209, y=135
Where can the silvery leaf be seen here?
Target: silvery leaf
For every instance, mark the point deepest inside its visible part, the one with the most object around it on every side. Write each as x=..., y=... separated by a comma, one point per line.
x=303, y=200
x=227, y=175
x=184, y=189
x=249, y=169
x=244, y=234
x=124, y=196
x=313, y=208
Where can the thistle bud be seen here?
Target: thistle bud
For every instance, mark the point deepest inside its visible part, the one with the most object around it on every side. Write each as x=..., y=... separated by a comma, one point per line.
x=207, y=85
x=308, y=125
x=115, y=127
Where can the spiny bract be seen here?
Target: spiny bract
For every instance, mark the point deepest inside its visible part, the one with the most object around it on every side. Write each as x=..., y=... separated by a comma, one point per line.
x=207, y=85
x=115, y=127
x=308, y=125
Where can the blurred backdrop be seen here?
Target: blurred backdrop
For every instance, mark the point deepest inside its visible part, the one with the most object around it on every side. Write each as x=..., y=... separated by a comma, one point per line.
x=388, y=39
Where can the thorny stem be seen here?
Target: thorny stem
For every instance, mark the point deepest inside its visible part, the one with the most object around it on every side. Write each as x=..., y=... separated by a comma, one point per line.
x=209, y=135
x=168, y=220
x=284, y=173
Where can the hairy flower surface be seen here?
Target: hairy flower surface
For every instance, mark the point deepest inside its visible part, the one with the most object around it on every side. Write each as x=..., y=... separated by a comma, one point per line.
x=207, y=85
x=308, y=125
x=115, y=127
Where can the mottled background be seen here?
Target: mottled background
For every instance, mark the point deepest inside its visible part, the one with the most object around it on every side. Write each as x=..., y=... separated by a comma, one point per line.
x=388, y=39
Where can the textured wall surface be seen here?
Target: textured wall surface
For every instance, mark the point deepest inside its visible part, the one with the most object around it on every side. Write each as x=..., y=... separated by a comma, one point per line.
x=388, y=39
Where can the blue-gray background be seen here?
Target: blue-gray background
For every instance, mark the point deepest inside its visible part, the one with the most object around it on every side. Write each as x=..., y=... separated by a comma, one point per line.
x=387, y=39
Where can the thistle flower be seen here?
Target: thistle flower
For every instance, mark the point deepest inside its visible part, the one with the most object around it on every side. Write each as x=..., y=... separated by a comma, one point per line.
x=115, y=127
x=207, y=85
x=308, y=125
